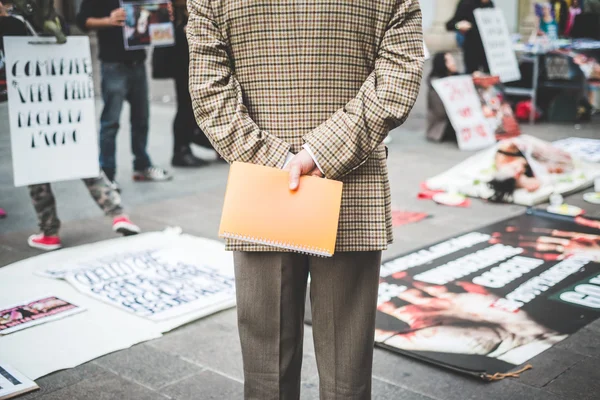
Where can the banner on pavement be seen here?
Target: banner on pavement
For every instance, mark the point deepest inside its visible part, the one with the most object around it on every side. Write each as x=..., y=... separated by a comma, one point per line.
x=51, y=109
x=463, y=106
x=488, y=301
x=522, y=170
x=498, y=44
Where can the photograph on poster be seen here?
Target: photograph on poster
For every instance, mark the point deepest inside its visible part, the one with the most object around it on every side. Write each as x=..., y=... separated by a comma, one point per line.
x=35, y=312
x=147, y=23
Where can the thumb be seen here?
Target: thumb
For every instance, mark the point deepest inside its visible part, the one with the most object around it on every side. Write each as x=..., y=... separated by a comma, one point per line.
x=295, y=172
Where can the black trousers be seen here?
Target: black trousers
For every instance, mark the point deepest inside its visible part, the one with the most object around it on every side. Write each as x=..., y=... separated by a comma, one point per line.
x=185, y=128
x=474, y=57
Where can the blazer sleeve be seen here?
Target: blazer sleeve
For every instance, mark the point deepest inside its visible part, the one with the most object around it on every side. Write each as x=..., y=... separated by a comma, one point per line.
x=346, y=140
x=217, y=96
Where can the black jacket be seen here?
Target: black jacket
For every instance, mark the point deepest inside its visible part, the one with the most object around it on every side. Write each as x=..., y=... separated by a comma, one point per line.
x=465, y=11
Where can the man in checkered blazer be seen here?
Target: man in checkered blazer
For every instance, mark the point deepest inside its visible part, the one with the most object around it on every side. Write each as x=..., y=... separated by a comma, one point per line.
x=313, y=86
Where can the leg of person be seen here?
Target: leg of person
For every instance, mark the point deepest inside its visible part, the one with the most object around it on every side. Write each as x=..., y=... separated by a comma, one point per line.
x=471, y=59
x=183, y=126
x=109, y=201
x=44, y=204
x=137, y=95
x=343, y=293
x=113, y=93
x=270, y=291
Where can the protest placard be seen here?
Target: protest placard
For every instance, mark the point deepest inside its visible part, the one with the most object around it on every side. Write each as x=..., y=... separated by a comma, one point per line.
x=497, y=44
x=463, y=107
x=51, y=109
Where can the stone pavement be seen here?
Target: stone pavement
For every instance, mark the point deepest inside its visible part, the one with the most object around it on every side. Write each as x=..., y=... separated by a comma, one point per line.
x=202, y=359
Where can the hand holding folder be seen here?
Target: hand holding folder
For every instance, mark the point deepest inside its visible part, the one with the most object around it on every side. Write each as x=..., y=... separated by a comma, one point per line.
x=260, y=208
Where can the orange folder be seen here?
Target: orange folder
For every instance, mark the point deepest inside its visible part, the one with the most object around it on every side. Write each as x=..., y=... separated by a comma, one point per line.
x=260, y=208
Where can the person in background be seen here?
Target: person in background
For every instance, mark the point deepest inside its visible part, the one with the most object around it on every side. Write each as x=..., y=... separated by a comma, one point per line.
x=560, y=10
x=185, y=127
x=439, y=127
x=103, y=193
x=100, y=188
x=547, y=25
x=464, y=22
x=123, y=79
x=574, y=11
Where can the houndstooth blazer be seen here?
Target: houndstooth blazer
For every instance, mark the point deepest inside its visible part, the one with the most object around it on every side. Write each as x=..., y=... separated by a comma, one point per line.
x=268, y=76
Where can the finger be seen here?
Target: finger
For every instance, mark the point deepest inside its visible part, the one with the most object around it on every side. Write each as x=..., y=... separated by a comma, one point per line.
x=295, y=172
x=316, y=172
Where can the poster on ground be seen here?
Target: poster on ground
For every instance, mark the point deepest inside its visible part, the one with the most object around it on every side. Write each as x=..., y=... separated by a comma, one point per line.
x=35, y=312
x=488, y=301
x=13, y=383
x=153, y=282
x=463, y=106
x=522, y=170
x=51, y=109
x=147, y=23
x=498, y=44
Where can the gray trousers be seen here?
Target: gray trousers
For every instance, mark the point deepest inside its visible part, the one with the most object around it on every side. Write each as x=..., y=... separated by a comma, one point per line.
x=271, y=291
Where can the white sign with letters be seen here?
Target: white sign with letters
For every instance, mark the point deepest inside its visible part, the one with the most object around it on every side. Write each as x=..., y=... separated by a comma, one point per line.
x=464, y=110
x=51, y=109
x=497, y=43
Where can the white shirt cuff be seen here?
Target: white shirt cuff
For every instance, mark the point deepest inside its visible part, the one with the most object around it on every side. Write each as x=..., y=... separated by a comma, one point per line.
x=288, y=159
x=312, y=155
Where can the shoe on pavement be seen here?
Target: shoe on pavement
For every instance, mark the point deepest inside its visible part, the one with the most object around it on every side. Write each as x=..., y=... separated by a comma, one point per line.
x=187, y=159
x=152, y=174
x=115, y=186
x=43, y=242
x=124, y=226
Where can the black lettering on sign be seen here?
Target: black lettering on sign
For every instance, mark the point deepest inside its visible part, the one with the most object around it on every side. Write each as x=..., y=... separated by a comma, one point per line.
x=79, y=90
x=53, y=138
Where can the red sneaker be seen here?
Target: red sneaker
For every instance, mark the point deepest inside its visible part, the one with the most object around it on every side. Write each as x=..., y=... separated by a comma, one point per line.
x=124, y=226
x=43, y=242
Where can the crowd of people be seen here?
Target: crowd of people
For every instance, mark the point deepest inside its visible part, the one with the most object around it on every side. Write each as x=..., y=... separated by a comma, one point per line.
x=124, y=79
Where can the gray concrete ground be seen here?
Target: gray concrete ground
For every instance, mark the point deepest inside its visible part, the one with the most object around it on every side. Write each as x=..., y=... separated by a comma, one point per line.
x=202, y=359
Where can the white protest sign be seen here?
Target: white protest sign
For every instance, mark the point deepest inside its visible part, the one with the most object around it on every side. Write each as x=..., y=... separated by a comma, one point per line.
x=156, y=283
x=498, y=44
x=51, y=109
x=463, y=107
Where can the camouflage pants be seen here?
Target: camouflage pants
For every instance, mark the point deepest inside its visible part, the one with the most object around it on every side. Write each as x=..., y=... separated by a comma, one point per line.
x=44, y=202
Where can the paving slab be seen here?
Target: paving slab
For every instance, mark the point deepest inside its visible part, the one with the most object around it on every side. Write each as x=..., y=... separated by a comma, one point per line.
x=431, y=381
x=63, y=379
x=585, y=342
x=582, y=381
x=207, y=385
x=211, y=342
x=548, y=366
x=107, y=386
x=148, y=366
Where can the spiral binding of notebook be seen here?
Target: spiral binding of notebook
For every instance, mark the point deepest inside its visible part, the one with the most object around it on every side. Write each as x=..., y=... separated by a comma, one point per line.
x=308, y=250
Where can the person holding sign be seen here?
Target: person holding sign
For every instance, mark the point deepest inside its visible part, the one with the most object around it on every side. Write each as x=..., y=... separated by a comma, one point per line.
x=123, y=79
x=320, y=83
x=464, y=22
